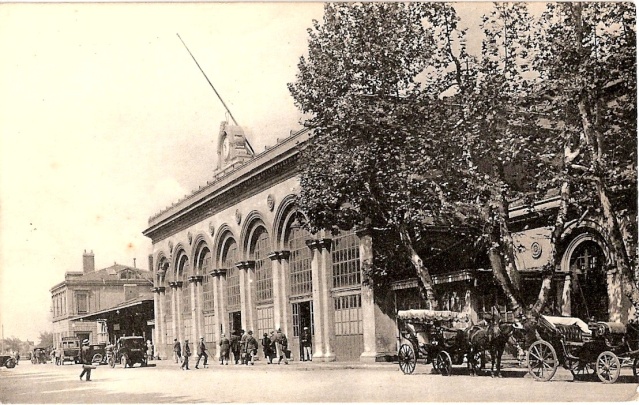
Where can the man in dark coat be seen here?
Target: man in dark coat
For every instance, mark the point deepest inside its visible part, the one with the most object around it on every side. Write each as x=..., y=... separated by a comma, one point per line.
x=235, y=346
x=86, y=357
x=225, y=347
x=201, y=352
x=186, y=355
x=177, y=350
x=305, y=340
x=251, y=348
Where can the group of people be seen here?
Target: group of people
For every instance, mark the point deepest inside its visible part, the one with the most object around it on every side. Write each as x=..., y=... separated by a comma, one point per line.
x=243, y=346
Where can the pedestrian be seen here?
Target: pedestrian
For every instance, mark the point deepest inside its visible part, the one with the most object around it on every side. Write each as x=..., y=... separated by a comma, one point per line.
x=149, y=350
x=58, y=356
x=281, y=345
x=266, y=348
x=251, y=348
x=306, y=345
x=225, y=347
x=187, y=354
x=177, y=350
x=17, y=358
x=235, y=346
x=201, y=352
x=243, y=341
x=86, y=357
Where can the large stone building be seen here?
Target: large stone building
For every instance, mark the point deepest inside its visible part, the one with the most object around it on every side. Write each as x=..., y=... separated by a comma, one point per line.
x=82, y=303
x=232, y=256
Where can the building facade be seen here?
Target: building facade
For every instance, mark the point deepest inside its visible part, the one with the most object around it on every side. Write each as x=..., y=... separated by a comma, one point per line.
x=232, y=256
x=76, y=300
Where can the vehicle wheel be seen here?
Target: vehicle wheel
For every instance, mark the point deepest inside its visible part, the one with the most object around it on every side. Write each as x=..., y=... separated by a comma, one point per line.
x=11, y=363
x=542, y=360
x=608, y=367
x=97, y=358
x=406, y=358
x=112, y=361
x=444, y=363
x=124, y=360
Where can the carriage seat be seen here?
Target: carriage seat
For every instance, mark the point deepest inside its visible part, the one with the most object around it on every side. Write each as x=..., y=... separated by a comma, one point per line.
x=452, y=337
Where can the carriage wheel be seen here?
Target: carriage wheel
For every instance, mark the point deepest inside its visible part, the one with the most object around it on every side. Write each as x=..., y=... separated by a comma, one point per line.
x=10, y=363
x=542, y=360
x=608, y=367
x=407, y=359
x=443, y=363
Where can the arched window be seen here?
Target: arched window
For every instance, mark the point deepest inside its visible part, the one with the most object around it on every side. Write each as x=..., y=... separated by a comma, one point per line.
x=263, y=269
x=300, y=273
x=590, y=282
x=232, y=277
x=207, y=282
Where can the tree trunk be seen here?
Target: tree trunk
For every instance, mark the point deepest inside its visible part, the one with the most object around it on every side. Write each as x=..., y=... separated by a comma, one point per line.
x=427, y=290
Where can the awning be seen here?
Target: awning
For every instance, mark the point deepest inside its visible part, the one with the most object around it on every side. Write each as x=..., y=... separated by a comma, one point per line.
x=94, y=315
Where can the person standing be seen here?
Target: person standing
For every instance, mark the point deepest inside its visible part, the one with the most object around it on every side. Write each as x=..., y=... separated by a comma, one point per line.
x=58, y=356
x=225, y=346
x=86, y=357
x=149, y=350
x=243, y=347
x=201, y=352
x=187, y=354
x=281, y=345
x=266, y=348
x=177, y=350
x=235, y=346
x=251, y=348
x=306, y=344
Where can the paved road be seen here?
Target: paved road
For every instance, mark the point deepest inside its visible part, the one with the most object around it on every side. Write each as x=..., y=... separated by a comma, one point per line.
x=164, y=382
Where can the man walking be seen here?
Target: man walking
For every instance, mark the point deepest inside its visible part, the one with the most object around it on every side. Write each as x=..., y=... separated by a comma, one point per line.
x=201, y=352
x=177, y=350
x=86, y=357
x=187, y=354
x=281, y=345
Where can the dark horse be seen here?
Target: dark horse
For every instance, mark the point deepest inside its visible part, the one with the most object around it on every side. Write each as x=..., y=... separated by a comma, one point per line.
x=492, y=338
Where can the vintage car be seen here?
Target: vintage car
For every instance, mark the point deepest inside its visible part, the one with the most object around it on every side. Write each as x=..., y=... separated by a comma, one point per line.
x=70, y=349
x=7, y=361
x=39, y=355
x=128, y=351
x=99, y=353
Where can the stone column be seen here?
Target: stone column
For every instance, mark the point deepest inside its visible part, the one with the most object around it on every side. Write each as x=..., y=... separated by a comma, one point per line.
x=196, y=311
x=287, y=326
x=156, y=314
x=327, y=307
x=174, y=317
x=161, y=343
x=222, y=315
x=215, y=278
x=199, y=309
x=247, y=275
x=320, y=261
x=566, y=295
x=178, y=301
x=277, y=289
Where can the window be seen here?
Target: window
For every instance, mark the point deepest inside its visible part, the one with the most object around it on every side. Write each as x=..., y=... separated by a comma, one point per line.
x=300, y=274
x=263, y=270
x=346, y=267
x=183, y=269
x=207, y=285
x=348, y=315
x=232, y=278
x=265, y=322
x=82, y=300
x=209, y=328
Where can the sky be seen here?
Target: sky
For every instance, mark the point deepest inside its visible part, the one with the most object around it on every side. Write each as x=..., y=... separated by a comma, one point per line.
x=105, y=120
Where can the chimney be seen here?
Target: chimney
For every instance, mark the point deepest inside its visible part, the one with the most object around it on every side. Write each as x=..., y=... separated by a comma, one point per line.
x=88, y=262
x=134, y=263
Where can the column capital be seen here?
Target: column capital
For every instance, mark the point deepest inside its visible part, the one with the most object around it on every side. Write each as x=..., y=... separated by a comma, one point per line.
x=245, y=265
x=218, y=272
x=161, y=289
x=319, y=244
x=279, y=255
x=179, y=284
x=173, y=284
x=196, y=279
x=155, y=290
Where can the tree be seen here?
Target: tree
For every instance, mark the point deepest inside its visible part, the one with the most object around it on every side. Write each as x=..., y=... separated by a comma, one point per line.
x=586, y=56
x=45, y=339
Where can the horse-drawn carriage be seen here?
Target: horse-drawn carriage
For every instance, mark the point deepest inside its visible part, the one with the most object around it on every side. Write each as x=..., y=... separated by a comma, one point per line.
x=599, y=347
x=432, y=336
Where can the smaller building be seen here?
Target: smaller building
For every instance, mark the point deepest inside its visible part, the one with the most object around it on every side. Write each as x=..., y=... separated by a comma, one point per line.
x=85, y=300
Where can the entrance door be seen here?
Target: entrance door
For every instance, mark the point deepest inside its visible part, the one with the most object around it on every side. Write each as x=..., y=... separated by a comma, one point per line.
x=235, y=321
x=589, y=296
x=302, y=318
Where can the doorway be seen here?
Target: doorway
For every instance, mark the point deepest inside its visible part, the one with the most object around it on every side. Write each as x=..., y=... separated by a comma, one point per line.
x=302, y=318
x=589, y=296
x=235, y=321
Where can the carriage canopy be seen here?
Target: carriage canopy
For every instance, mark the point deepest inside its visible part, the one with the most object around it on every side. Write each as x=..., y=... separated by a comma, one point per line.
x=428, y=315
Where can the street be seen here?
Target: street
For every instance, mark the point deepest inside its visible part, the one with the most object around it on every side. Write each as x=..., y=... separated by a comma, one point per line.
x=164, y=382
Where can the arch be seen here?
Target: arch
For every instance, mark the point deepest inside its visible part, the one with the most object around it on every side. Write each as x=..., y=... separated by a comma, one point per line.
x=221, y=241
x=251, y=223
x=283, y=217
x=180, y=258
x=162, y=268
x=585, y=231
x=200, y=244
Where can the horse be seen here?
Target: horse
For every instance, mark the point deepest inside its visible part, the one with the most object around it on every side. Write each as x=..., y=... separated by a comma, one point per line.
x=491, y=337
